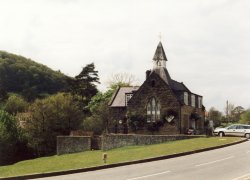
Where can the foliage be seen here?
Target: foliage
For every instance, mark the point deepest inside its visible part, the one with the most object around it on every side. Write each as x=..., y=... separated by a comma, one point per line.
x=53, y=116
x=99, y=121
x=236, y=113
x=94, y=123
x=98, y=99
x=155, y=126
x=84, y=84
x=215, y=115
x=13, y=144
x=24, y=76
x=100, y=113
x=14, y=104
x=137, y=121
x=124, y=154
x=8, y=137
x=245, y=117
x=3, y=94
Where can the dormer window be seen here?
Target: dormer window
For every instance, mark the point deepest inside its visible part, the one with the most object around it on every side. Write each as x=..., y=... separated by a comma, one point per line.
x=185, y=98
x=193, y=100
x=127, y=98
x=199, y=102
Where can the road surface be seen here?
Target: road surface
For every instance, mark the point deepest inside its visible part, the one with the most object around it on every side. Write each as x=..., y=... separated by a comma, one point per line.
x=230, y=163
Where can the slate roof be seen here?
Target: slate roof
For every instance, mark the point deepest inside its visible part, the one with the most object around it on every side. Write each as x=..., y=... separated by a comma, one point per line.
x=118, y=98
x=160, y=53
x=177, y=86
x=163, y=73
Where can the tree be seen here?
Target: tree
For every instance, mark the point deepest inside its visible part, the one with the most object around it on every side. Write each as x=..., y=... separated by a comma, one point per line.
x=121, y=79
x=215, y=115
x=99, y=120
x=52, y=116
x=237, y=112
x=98, y=99
x=3, y=94
x=84, y=84
x=15, y=104
x=28, y=78
x=13, y=143
x=245, y=117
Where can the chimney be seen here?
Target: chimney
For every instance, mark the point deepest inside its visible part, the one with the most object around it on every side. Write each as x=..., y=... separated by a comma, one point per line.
x=147, y=73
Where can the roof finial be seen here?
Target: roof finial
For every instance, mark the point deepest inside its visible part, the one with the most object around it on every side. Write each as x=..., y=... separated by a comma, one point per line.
x=160, y=36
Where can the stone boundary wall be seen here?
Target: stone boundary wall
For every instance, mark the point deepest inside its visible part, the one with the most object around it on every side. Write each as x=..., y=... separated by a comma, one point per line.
x=112, y=141
x=73, y=144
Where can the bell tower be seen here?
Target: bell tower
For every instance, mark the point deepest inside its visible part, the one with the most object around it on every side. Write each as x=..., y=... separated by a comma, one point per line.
x=159, y=59
x=159, y=64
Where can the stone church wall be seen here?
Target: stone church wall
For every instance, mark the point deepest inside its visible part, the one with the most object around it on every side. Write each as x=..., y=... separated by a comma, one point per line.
x=185, y=118
x=163, y=94
x=115, y=141
x=73, y=144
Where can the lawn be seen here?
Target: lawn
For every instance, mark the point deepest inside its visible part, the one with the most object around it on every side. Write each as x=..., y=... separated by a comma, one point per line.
x=94, y=158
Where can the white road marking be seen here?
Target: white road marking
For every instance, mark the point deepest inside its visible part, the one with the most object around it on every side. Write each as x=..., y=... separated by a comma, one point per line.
x=244, y=177
x=150, y=175
x=214, y=161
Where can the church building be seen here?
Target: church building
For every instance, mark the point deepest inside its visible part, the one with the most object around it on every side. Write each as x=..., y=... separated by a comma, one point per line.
x=160, y=105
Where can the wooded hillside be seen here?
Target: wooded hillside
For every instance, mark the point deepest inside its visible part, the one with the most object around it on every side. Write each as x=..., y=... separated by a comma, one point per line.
x=28, y=78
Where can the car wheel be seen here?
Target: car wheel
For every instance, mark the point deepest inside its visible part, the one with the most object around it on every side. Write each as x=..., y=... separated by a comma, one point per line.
x=247, y=136
x=221, y=134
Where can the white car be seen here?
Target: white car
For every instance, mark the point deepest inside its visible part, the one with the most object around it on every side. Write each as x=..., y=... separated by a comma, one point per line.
x=234, y=130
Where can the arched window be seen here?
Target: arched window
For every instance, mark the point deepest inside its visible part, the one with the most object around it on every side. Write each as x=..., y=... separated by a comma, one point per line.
x=153, y=110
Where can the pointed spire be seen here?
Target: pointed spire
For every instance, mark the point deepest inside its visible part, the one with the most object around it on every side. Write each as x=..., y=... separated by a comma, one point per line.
x=160, y=53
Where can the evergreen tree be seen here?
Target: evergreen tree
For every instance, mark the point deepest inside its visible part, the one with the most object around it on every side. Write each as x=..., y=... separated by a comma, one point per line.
x=84, y=84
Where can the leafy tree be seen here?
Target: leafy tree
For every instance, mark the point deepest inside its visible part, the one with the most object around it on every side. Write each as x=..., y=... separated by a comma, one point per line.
x=98, y=99
x=8, y=137
x=245, y=117
x=215, y=115
x=94, y=123
x=52, y=116
x=237, y=112
x=84, y=84
x=13, y=143
x=99, y=120
x=101, y=117
x=15, y=104
x=3, y=94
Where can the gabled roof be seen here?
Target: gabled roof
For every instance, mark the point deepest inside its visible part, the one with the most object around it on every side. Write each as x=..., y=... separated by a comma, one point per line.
x=163, y=73
x=177, y=86
x=118, y=99
x=160, y=53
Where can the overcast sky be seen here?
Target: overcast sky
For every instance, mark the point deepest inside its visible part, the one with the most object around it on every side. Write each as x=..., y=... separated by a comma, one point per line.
x=206, y=41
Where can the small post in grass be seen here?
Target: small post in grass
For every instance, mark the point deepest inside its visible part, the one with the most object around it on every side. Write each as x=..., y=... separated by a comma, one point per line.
x=104, y=157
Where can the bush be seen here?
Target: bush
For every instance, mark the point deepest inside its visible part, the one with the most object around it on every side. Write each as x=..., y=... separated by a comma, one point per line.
x=15, y=104
x=13, y=143
x=137, y=122
x=53, y=116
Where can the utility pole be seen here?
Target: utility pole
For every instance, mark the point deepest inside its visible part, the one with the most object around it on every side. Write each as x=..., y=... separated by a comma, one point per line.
x=227, y=111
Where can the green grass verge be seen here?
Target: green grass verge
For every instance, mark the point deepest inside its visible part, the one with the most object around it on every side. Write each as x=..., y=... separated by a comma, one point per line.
x=94, y=158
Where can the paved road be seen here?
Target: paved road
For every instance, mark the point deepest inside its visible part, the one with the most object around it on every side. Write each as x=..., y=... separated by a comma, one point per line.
x=230, y=163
